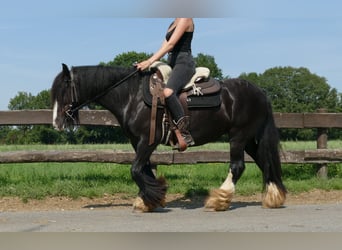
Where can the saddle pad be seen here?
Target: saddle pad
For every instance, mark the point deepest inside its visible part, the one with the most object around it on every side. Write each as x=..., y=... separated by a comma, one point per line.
x=193, y=101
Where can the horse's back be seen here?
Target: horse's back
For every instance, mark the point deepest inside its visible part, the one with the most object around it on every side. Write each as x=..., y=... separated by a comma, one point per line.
x=244, y=94
x=243, y=87
x=245, y=102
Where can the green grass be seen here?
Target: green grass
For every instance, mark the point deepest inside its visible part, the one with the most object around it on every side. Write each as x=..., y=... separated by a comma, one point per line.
x=40, y=180
x=287, y=145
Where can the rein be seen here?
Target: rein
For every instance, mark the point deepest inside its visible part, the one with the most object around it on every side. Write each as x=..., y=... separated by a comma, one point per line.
x=73, y=108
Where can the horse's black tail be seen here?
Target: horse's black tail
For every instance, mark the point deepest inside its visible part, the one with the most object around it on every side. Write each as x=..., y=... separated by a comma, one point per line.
x=268, y=152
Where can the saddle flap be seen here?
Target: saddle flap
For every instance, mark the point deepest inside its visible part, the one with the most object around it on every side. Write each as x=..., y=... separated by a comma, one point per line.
x=207, y=87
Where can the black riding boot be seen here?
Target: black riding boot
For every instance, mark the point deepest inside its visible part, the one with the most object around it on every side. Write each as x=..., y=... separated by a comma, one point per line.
x=183, y=125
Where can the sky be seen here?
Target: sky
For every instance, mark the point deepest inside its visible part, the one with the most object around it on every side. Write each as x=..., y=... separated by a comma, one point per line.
x=37, y=36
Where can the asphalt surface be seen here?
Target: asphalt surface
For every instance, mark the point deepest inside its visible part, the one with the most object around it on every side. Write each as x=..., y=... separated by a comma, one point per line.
x=240, y=218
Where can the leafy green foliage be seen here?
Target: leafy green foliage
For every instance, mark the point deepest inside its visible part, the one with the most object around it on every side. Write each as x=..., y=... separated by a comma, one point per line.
x=127, y=59
x=25, y=100
x=27, y=134
x=208, y=61
x=297, y=90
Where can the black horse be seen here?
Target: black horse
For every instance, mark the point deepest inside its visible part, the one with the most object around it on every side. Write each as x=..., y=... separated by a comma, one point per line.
x=245, y=114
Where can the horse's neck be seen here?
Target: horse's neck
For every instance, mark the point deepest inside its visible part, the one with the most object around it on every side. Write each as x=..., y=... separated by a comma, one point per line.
x=114, y=99
x=98, y=82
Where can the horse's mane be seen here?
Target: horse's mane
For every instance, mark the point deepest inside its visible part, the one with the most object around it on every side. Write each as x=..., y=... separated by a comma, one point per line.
x=105, y=70
x=95, y=78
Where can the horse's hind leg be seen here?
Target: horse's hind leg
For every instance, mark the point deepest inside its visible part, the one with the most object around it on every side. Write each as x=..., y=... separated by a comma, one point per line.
x=220, y=199
x=274, y=191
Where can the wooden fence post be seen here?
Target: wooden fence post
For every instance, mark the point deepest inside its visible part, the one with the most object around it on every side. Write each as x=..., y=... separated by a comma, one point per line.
x=322, y=143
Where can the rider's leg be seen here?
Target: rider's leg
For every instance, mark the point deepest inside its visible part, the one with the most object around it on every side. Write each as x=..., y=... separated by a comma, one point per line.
x=182, y=122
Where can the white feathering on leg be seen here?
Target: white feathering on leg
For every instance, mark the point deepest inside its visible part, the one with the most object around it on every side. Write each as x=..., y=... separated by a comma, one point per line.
x=228, y=184
x=273, y=198
x=219, y=199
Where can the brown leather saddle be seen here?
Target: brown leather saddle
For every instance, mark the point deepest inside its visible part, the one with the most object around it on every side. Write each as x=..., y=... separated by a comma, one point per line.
x=201, y=92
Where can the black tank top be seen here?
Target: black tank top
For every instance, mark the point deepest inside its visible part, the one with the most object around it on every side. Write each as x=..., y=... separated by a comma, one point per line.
x=184, y=43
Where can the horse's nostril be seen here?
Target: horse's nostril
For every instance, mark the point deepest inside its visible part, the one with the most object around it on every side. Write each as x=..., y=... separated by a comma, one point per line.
x=58, y=128
x=55, y=126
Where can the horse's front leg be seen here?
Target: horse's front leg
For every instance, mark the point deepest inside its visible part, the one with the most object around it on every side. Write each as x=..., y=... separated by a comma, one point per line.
x=152, y=190
x=220, y=199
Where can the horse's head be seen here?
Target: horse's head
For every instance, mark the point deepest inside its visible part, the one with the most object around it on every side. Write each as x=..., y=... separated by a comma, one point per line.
x=64, y=100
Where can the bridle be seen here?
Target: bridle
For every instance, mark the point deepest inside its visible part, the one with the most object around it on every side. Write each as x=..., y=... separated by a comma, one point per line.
x=71, y=110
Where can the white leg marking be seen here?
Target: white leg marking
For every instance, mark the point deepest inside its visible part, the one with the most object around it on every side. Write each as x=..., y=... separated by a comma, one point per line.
x=219, y=199
x=228, y=184
x=273, y=198
x=54, y=114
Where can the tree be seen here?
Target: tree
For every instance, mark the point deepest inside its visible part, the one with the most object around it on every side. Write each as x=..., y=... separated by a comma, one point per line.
x=209, y=62
x=127, y=59
x=4, y=131
x=42, y=100
x=24, y=100
x=31, y=134
x=21, y=101
x=296, y=90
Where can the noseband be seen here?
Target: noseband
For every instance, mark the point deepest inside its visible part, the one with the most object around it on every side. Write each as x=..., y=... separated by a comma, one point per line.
x=72, y=108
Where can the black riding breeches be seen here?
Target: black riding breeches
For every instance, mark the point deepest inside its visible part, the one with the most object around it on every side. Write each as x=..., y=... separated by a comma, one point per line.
x=183, y=68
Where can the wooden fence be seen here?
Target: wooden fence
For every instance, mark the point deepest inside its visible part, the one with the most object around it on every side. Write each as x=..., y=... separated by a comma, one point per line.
x=320, y=120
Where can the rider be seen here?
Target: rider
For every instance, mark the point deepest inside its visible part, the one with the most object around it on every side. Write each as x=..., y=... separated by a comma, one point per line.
x=177, y=44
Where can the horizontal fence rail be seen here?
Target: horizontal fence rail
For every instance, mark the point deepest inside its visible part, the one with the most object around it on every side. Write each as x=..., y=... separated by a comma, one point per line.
x=320, y=120
x=165, y=158
x=105, y=118
x=44, y=116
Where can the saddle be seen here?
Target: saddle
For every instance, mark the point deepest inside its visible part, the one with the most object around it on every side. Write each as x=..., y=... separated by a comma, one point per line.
x=202, y=91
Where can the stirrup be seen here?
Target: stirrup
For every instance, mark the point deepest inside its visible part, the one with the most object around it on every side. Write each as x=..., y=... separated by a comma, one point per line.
x=181, y=144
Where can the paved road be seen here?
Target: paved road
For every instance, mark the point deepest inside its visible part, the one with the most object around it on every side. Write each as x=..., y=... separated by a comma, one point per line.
x=240, y=218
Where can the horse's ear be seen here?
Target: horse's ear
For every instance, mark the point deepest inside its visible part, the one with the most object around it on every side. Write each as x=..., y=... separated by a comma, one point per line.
x=66, y=71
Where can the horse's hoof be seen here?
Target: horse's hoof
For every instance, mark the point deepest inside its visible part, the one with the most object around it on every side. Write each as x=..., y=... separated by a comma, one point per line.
x=140, y=206
x=218, y=200
x=273, y=197
x=163, y=203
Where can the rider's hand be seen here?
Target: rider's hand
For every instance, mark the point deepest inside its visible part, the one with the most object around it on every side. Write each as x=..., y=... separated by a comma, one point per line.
x=143, y=65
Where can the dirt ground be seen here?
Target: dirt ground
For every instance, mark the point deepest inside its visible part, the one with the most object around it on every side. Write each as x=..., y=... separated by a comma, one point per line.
x=173, y=200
